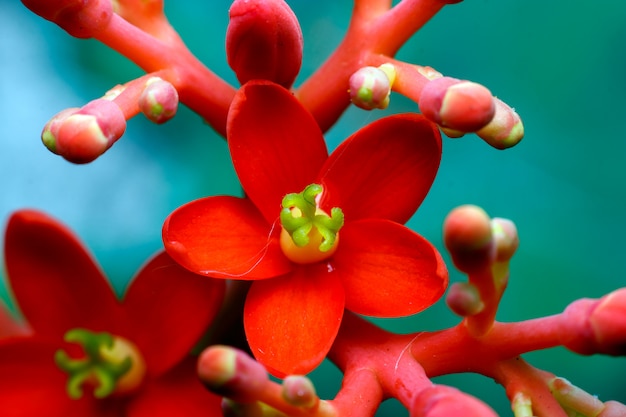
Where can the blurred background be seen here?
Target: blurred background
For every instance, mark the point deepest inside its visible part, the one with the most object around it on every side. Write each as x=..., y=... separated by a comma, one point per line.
x=562, y=67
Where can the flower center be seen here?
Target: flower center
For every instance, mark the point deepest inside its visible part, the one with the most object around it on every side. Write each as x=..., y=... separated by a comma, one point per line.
x=111, y=364
x=308, y=233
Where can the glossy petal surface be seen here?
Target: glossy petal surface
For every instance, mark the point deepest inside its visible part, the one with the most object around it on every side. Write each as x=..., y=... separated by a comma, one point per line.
x=384, y=170
x=56, y=282
x=387, y=270
x=224, y=237
x=168, y=309
x=292, y=321
x=276, y=146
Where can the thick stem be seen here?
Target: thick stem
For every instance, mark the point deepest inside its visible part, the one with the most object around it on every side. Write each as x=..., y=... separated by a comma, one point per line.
x=370, y=33
x=198, y=87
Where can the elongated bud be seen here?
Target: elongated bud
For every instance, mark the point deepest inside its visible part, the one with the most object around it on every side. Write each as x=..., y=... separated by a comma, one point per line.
x=464, y=299
x=80, y=18
x=81, y=135
x=613, y=409
x=468, y=238
x=264, y=41
x=458, y=105
x=574, y=398
x=370, y=87
x=231, y=373
x=159, y=100
x=444, y=401
x=596, y=326
x=505, y=129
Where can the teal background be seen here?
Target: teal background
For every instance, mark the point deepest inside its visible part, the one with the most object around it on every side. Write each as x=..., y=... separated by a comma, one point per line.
x=562, y=66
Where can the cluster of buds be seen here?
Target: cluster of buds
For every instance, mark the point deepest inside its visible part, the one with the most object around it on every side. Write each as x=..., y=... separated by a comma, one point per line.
x=264, y=48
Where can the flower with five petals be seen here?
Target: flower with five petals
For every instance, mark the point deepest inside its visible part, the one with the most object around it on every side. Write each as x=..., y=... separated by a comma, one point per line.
x=88, y=354
x=315, y=233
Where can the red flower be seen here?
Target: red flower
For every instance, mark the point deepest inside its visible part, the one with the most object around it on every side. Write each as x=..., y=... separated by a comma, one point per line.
x=59, y=288
x=377, y=178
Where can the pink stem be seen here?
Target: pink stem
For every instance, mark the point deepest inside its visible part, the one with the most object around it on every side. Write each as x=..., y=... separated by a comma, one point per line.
x=371, y=33
x=199, y=88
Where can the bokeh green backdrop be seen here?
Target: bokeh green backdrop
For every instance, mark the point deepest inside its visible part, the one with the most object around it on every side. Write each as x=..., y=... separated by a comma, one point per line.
x=561, y=64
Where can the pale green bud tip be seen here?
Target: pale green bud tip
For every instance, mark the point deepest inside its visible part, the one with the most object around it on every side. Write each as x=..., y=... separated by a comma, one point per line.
x=299, y=391
x=574, y=398
x=522, y=405
x=159, y=100
x=81, y=135
x=505, y=130
x=505, y=237
x=370, y=87
x=464, y=299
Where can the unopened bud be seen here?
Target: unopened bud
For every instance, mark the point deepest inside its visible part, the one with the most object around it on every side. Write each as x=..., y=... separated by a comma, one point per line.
x=299, y=391
x=613, y=409
x=608, y=321
x=574, y=398
x=464, y=299
x=231, y=373
x=370, y=87
x=505, y=129
x=159, y=100
x=468, y=238
x=264, y=41
x=459, y=105
x=82, y=135
x=505, y=238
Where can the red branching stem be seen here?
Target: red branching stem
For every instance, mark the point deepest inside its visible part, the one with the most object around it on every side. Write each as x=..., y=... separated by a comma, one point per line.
x=397, y=26
x=360, y=391
x=362, y=345
x=409, y=81
x=490, y=294
x=127, y=99
x=198, y=87
x=371, y=33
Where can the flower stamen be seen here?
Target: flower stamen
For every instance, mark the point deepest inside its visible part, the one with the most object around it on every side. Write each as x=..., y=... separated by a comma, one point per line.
x=111, y=363
x=309, y=233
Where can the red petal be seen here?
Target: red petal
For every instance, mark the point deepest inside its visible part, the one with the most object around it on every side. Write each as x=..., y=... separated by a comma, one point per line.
x=10, y=325
x=384, y=170
x=54, y=279
x=291, y=321
x=388, y=270
x=32, y=385
x=276, y=146
x=177, y=393
x=169, y=308
x=224, y=237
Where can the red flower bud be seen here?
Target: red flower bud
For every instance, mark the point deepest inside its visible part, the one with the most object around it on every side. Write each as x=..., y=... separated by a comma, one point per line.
x=459, y=105
x=468, y=237
x=80, y=18
x=264, y=41
x=444, y=401
x=80, y=136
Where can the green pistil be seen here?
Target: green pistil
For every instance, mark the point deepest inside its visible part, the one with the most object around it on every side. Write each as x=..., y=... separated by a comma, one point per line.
x=94, y=367
x=300, y=214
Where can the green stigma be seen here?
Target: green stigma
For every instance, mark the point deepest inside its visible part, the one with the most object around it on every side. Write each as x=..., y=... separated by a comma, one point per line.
x=301, y=215
x=103, y=365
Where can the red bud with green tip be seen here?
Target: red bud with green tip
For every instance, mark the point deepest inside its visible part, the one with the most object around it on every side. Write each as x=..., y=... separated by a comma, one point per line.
x=264, y=41
x=159, y=100
x=82, y=135
x=80, y=18
x=458, y=105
